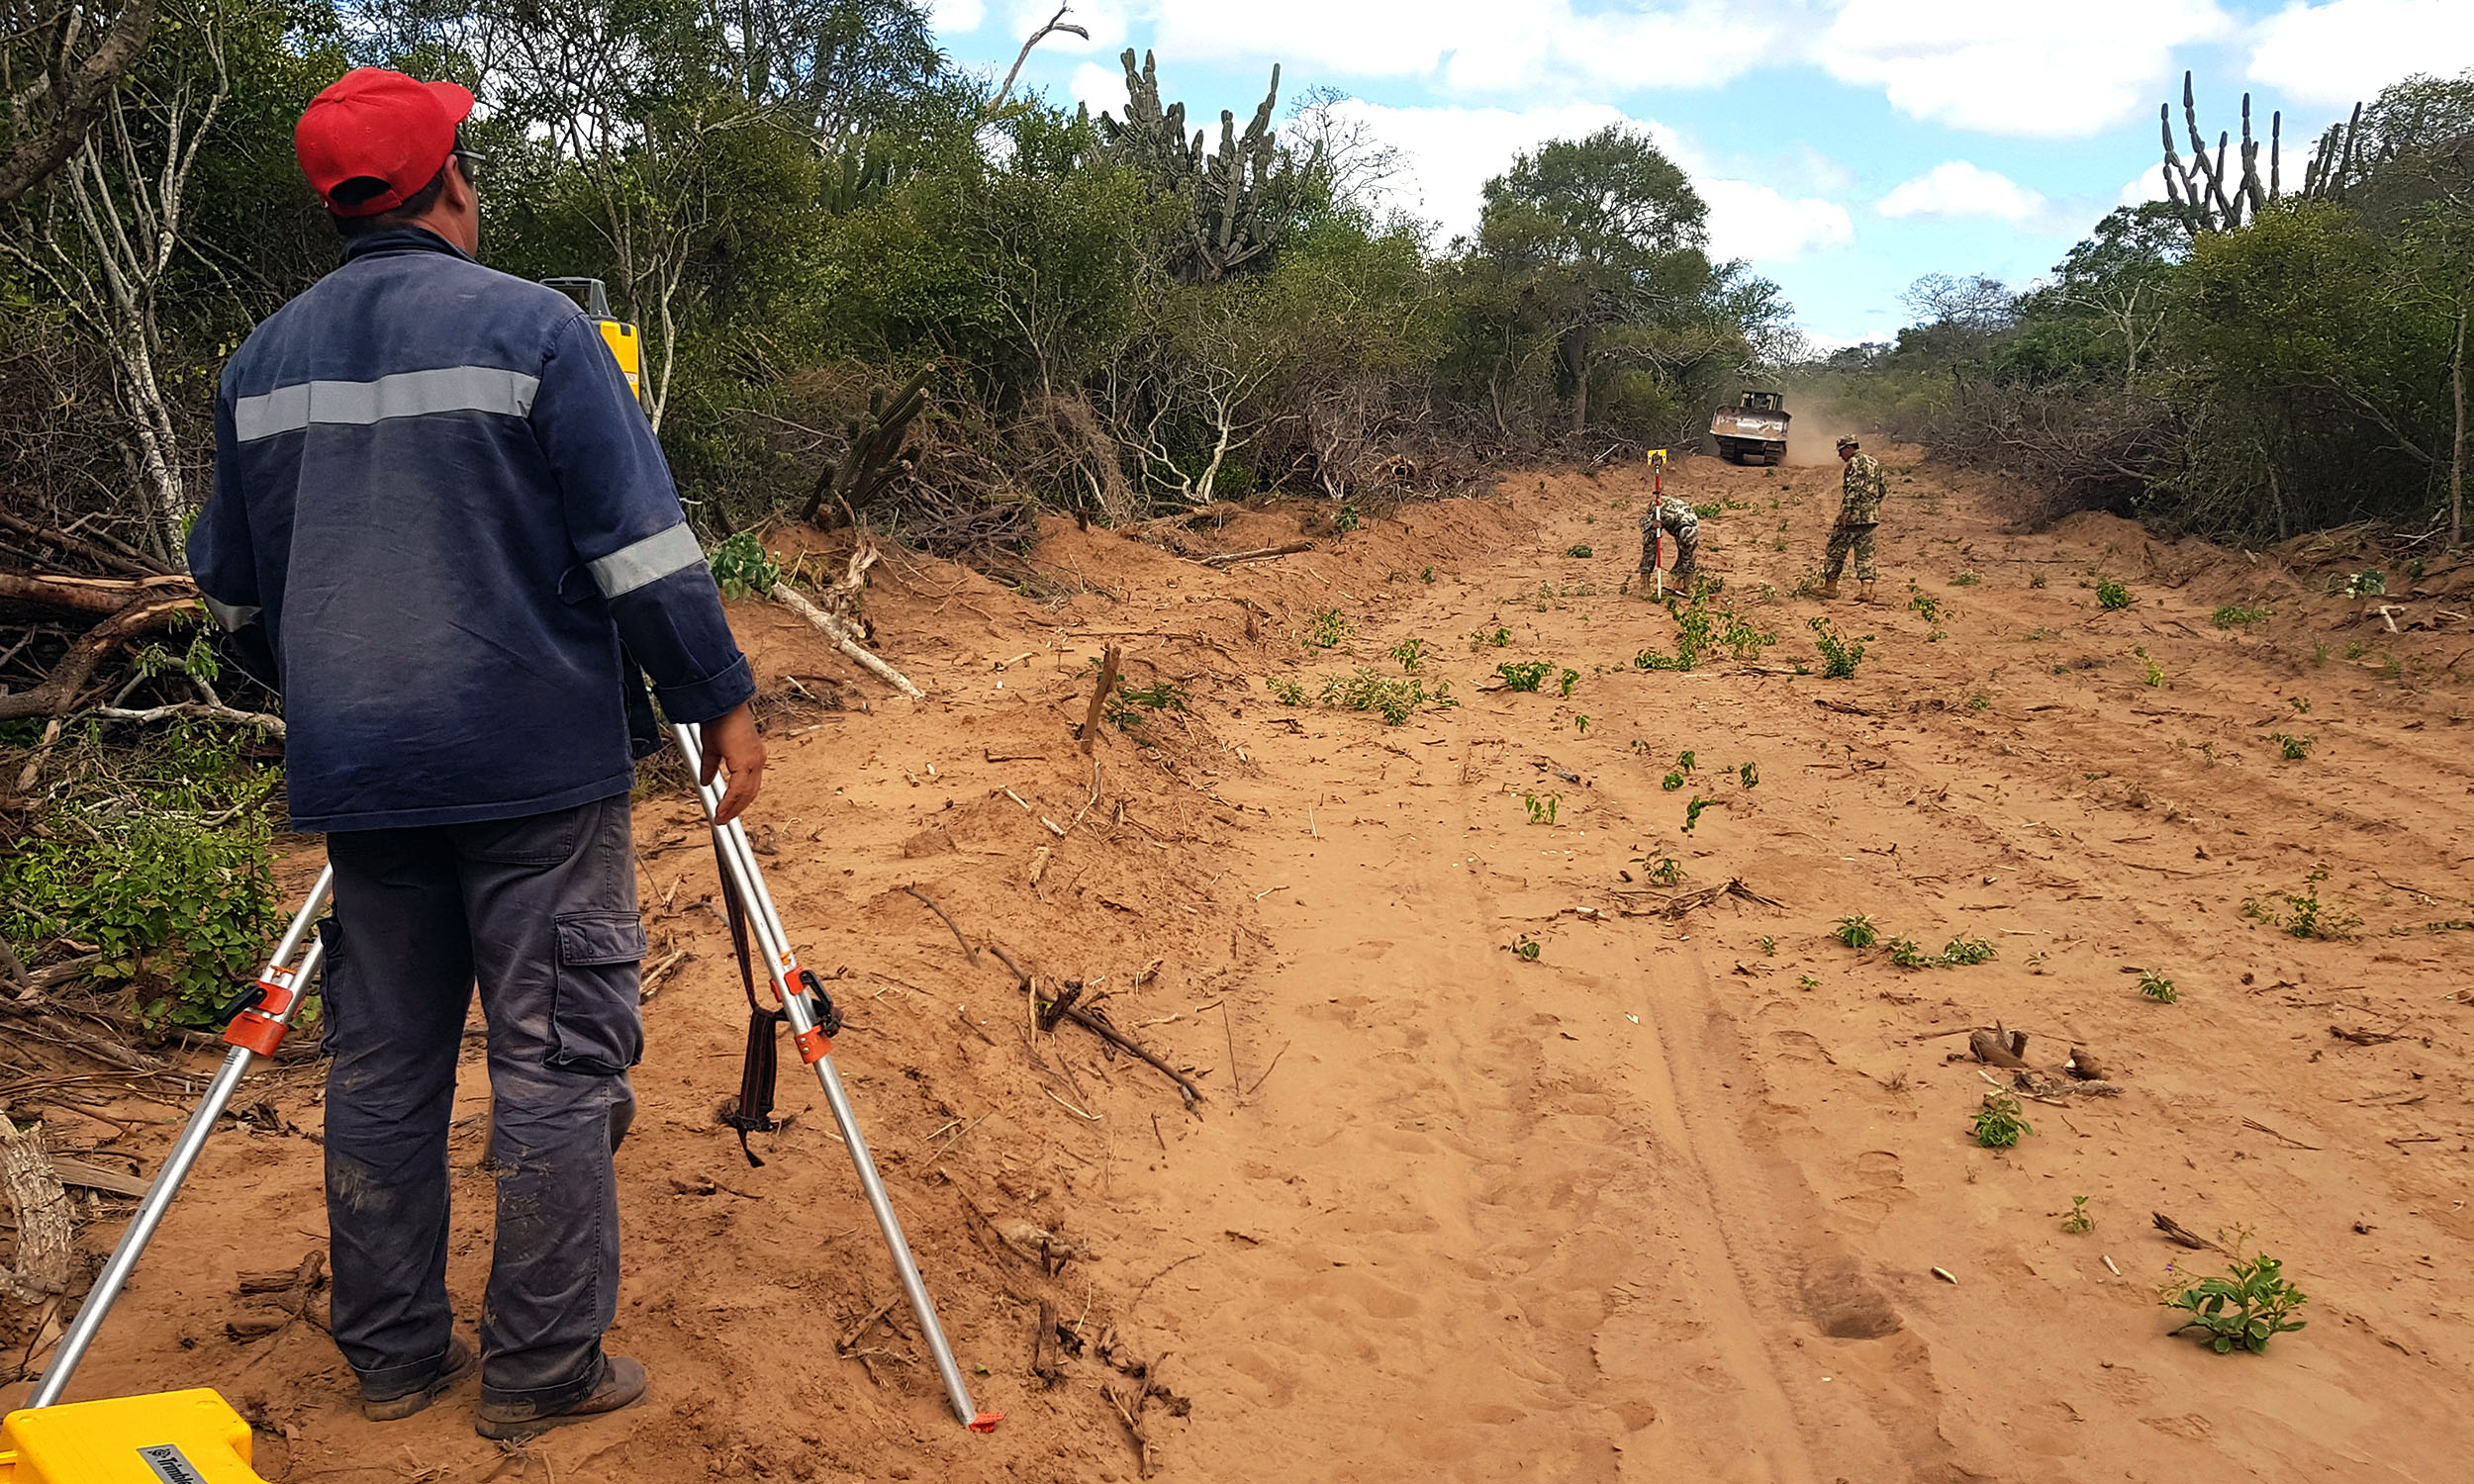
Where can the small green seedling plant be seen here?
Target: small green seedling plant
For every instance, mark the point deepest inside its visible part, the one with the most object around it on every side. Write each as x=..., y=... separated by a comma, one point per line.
x=2151, y=673
x=1286, y=692
x=1692, y=811
x=2111, y=593
x=2300, y=704
x=1905, y=953
x=1666, y=872
x=1582, y=723
x=1807, y=981
x=1496, y=637
x=1524, y=675
x=1966, y=579
x=1839, y=655
x=2078, y=1223
x=2249, y=1306
x=2157, y=986
x=1924, y=604
x=1998, y=1124
x=1542, y=806
x=1582, y=550
x=1857, y=931
x=1328, y=630
x=1687, y=760
x=740, y=566
x=2035, y=579
x=1749, y=774
x=1564, y=683
x=1410, y=653
x=2367, y=584
x=1525, y=948
x=1395, y=699
x=1426, y=575
x=2242, y=615
x=1770, y=945
x=1345, y=520
x=2295, y=748
x=1671, y=782
x=1127, y=709
x=1966, y=951
x=2305, y=915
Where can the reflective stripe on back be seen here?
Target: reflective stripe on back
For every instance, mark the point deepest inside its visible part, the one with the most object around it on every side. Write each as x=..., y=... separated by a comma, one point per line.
x=648, y=561
x=407, y=394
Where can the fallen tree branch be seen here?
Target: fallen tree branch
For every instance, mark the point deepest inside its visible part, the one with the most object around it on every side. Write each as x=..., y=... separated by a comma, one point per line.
x=1115, y=1036
x=78, y=545
x=1258, y=554
x=97, y=1046
x=57, y=697
x=89, y=594
x=272, y=725
x=835, y=629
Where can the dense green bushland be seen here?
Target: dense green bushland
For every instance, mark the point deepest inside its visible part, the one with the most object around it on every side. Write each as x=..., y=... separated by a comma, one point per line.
x=2298, y=365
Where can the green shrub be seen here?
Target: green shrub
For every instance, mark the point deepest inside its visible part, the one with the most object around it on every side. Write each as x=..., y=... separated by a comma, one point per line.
x=2111, y=593
x=1998, y=1124
x=1856, y=931
x=2241, y=615
x=1524, y=675
x=1839, y=655
x=2249, y=1306
x=740, y=566
x=1328, y=630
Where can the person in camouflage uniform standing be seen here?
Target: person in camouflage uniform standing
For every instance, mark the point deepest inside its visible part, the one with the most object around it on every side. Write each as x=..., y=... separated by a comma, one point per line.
x=1679, y=520
x=1861, y=489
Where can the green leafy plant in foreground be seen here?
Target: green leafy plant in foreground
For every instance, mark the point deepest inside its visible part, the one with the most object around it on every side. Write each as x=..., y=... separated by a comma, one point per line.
x=1128, y=707
x=740, y=566
x=1525, y=948
x=1496, y=637
x=1998, y=1124
x=2294, y=748
x=1967, y=951
x=2241, y=615
x=1287, y=692
x=1328, y=630
x=1542, y=806
x=2111, y=593
x=1692, y=811
x=1395, y=700
x=1907, y=954
x=2078, y=1223
x=1839, y=655
x=1671, y=782
x=1524, y=675
x=2157, y=987
x=2305, y=915
x=1856, y=931
x=2249, y=1306
x=1410, y=653
x=1582, y=551
x=2367, y=584
x=1565, y=681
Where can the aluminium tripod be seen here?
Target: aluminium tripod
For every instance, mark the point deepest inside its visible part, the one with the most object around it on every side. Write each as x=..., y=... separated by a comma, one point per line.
x=262, y=1012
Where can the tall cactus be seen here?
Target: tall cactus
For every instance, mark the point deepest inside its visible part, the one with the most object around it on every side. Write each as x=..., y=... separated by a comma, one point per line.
x=1241, y=198
x=874, y=457
x=2211, y=199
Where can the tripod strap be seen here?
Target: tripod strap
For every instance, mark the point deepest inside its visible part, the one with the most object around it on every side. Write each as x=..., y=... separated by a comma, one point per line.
x=753, y=1113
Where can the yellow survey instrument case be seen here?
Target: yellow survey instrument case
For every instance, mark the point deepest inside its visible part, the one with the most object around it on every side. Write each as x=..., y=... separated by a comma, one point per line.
x=617, y=335
x=170, y=1438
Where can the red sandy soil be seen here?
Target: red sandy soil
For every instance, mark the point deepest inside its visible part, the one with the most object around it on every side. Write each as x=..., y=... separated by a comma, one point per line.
x=1664, y=1202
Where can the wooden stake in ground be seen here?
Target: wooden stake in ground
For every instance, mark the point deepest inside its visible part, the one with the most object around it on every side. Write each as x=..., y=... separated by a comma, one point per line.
x=1109, y=663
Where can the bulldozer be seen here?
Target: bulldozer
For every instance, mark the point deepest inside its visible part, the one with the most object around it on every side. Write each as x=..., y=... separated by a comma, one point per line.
x=1753, y=431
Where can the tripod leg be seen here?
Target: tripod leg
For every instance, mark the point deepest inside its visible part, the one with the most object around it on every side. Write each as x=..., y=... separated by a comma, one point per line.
x=742, y=875
x=277, y=998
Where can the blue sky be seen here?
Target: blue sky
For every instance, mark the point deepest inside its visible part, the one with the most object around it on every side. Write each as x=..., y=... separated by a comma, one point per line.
x=1845, y=146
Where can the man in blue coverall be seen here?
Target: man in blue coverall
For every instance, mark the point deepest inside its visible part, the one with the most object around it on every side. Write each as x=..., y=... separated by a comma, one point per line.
x=438, y=507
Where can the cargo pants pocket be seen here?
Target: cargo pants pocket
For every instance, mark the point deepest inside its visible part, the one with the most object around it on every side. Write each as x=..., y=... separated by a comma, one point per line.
x=596, y=1026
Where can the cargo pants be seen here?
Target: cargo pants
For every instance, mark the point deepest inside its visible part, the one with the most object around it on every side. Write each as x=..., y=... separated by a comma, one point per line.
x=542, y=911
x=1684, y=523
x=1844, y=539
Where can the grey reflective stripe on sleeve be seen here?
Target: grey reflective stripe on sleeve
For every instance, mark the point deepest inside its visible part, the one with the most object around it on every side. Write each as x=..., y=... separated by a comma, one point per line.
x=648, y=561
x=407, y=394
x=233, y=617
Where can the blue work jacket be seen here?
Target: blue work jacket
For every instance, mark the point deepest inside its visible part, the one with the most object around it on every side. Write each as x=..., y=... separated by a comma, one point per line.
x=435, y=492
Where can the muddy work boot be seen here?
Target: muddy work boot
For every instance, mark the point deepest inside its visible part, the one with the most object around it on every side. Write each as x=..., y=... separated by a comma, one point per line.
x=1864, y=592
x=457, y=1363
x=623, y=1385
x=1830, y=588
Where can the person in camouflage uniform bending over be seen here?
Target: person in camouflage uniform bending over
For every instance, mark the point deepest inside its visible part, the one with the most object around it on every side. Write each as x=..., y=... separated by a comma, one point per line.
x=1861, y=489
x=1678, y=519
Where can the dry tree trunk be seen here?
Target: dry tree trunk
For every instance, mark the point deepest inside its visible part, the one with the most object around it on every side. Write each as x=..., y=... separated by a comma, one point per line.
x=40, y=1269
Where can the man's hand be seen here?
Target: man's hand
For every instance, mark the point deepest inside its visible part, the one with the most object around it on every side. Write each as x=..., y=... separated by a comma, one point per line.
x=732, y=740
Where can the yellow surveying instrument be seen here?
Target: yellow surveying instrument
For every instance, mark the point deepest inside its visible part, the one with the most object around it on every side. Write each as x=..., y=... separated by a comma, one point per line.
x=619, y=336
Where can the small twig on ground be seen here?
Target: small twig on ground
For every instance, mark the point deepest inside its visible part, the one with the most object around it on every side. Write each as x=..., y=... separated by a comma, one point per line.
x=2182, y=1236
x=1267, y=1070
x=2257, y=1127
x=968, y=950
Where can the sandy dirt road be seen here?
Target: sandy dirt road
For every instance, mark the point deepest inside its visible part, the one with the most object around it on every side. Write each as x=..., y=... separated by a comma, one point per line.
x=1664, y=1201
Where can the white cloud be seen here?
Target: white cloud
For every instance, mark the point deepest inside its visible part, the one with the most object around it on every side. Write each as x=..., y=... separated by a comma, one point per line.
x=1761, y=226
x=1450, y=154
x=2038, y=71
x=2149, y=186
x=1101, y=89
x=1956, y=188
x=2343, y=52
x=1487, y=48
x=956, y=17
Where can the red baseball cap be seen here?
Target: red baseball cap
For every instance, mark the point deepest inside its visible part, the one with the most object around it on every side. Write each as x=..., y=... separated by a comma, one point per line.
x=376, y=128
